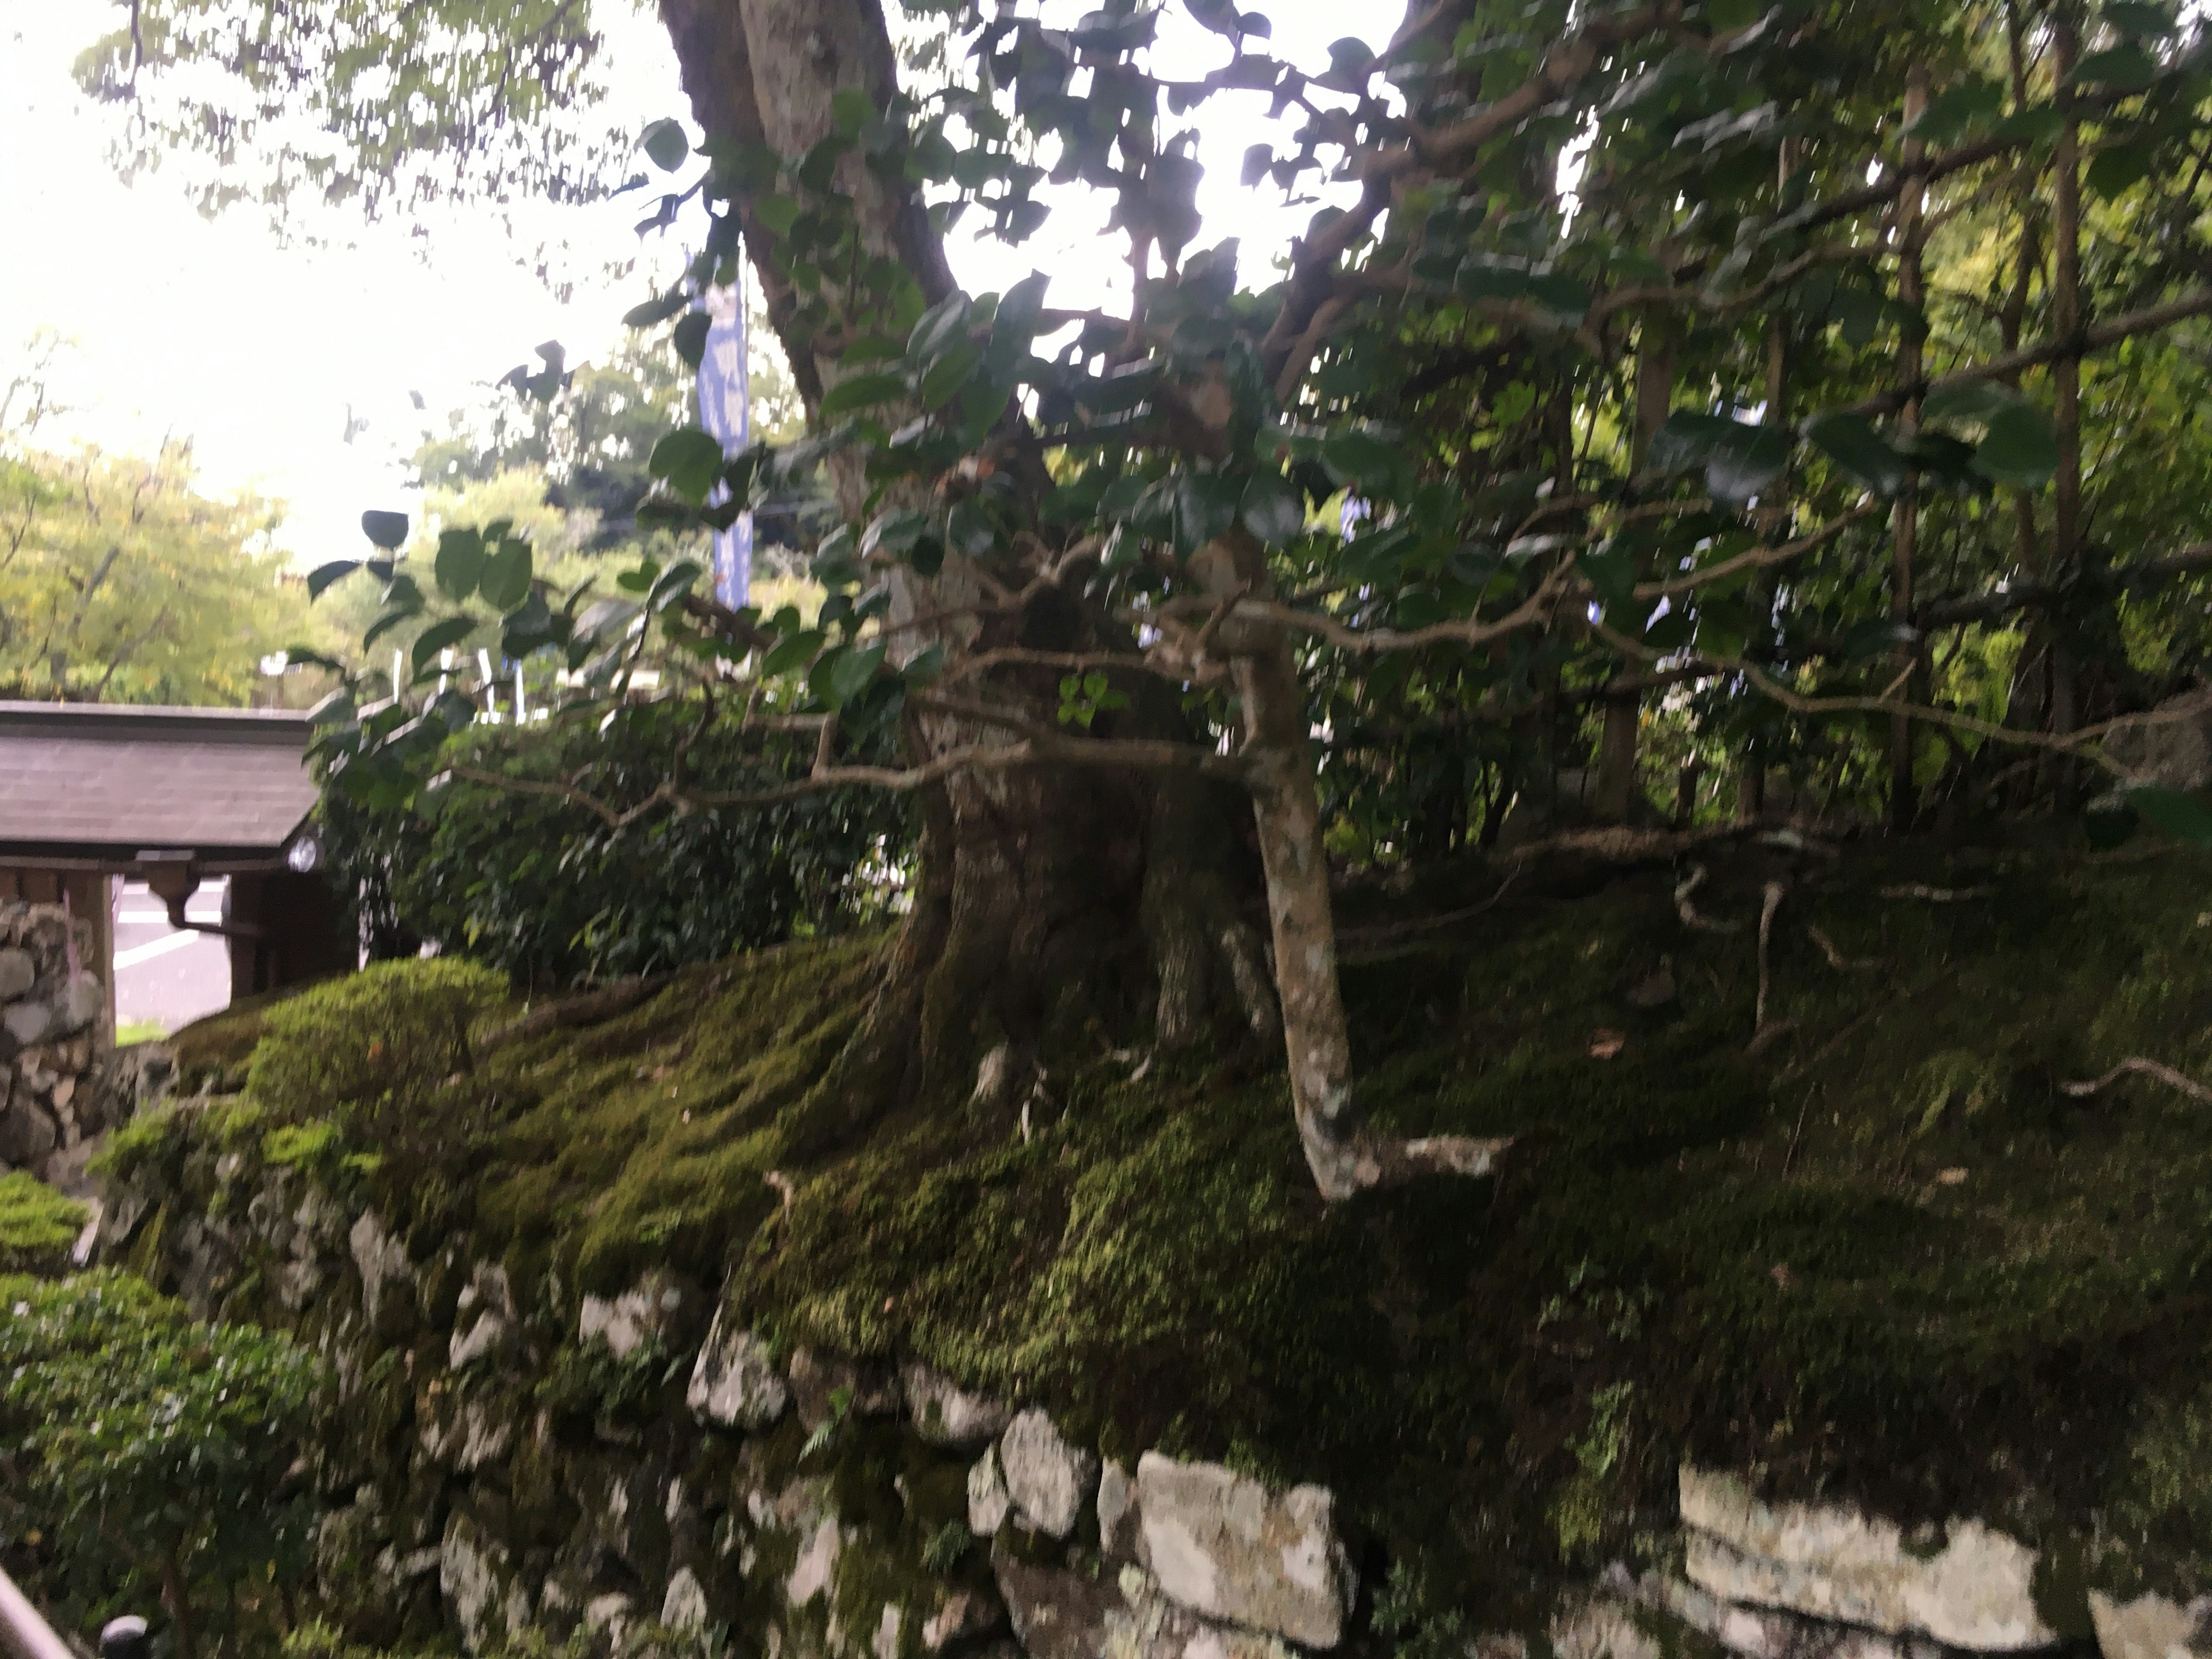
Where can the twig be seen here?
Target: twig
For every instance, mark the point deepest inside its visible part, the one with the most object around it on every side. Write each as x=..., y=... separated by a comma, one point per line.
x=2139, y=1066
x=1837, y=959
x=1688, y=885
x=1790, y=1157
x=1768, y=906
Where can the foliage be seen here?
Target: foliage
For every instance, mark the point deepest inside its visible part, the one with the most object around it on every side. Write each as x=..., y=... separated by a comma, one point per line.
x=120, y=582
x=385, y=1056
x=38, y=1225
x=152, y=1454
x=553, y=898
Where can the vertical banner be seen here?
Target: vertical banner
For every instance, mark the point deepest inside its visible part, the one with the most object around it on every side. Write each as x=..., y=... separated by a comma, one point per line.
x=726, y=410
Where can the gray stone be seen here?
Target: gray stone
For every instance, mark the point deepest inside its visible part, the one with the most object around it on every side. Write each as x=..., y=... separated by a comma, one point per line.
x=684, y=1605
x=816, y=1566
x=1763, y=1632
x=28, y=1023
x=1973, y=1588
x=624, y=1323
x=84, y=999
x=483, y=1317
x=1224, y=1545
x=477, y=1580
x=18, y=974
x=2152, y=1627
x=735, y=1383
x=1600, y=1627
x=1148, y=1625
x=946, y=1414
x=1120, y=1534
x=380, y=1260
x=1048, y=1479
x=27, y=1134
x=987, y=1502
x=1056, y=1614
x=961, y=1616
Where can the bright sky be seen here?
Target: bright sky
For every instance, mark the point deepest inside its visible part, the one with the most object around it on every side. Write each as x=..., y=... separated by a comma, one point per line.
x=263, y=354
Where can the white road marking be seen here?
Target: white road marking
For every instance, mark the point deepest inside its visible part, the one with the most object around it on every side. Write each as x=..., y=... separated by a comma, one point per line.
x=160, y=947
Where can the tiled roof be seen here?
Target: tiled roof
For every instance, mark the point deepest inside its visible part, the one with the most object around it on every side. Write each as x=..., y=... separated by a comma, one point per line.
x=89, y=779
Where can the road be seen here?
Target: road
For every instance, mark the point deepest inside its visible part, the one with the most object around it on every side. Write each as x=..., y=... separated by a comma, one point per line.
x=163, y=975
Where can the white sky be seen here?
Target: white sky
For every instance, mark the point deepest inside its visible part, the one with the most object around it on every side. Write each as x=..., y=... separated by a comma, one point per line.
x=259, y=352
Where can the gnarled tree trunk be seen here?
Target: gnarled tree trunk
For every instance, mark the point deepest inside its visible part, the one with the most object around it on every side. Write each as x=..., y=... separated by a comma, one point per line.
x=1049, y=895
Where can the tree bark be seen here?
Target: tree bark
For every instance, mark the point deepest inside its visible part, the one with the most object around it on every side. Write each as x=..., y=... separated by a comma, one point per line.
x=1048, y=895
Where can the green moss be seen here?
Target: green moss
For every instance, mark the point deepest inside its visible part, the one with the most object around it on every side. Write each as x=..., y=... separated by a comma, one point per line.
x=1887, y=1256
x=38, y=1225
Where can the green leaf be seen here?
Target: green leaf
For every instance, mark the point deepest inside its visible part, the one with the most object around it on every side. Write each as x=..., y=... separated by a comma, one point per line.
x=324, y=574
x=938, y=328
x=1957, y=110
x=460, y=563
x=2117, y=169
x=664, y=143
x=2039, y=124
x=2021, y=448
x=386, y=530
x=2137, y=19
x=505, y=583
x=851, y=109
x=852, y=671
x=1204, y=506
x=1687, y=438
x=949, y=373
x=1974, y=404
x=689, y=336
x=688, y=459
x=439, y=635
x=2109, y=821
x=2184, y=815
x=2127, y=65
x=1852, y=442
x=1273, y=509
x=1746, y=461
x=1363, y=461
x=792, y=650
x=1258, y=158
x=778, y=213
x=391, y=617
x=657, y=310
x=862, y=391
x=1610, y=570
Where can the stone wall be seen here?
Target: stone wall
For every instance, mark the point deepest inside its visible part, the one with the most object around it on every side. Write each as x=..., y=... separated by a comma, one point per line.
x=53, y=1097
x=509, y=1456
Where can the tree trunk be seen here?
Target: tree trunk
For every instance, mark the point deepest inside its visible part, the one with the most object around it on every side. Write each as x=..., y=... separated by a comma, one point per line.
x=1905, y=528
x=1624, y=711
x=2066, y=324
x=1048, y=897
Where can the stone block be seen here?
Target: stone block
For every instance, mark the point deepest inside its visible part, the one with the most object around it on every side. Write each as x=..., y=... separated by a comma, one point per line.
x=1225, y=1546
x=1972, y=1587
x=734, y=1382
x=1049, y=1478
x=946, y=1414
x=2152, y=1627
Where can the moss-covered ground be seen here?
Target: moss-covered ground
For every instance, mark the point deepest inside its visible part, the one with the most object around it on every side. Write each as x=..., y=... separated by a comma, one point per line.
x=1882, y=1252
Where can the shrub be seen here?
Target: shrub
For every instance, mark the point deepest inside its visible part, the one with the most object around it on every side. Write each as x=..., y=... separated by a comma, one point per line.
x=384, y=1056
x=150, y=1453
x=37, y=1225
x=550, y=895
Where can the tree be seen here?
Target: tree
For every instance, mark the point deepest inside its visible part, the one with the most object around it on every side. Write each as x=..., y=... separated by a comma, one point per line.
x=1739, y=416
x=120, y=582
x=153, y=1453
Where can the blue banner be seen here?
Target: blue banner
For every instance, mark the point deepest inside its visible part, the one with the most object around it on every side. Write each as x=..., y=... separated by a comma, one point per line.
x=726, y=410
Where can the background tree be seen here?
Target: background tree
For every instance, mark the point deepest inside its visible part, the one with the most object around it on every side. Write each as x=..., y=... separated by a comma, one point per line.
x=1673, y=349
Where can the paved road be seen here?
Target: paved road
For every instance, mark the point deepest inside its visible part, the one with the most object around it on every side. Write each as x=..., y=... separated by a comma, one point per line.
x=160, y=974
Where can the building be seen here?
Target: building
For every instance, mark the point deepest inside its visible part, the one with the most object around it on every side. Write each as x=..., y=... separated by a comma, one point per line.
x=172, y=797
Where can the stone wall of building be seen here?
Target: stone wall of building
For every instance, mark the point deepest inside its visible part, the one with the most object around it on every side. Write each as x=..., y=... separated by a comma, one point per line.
x=54, y=1095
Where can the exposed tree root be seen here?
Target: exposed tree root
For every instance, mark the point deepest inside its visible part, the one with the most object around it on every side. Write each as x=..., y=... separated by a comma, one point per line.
x=2137, y=1064
x=1837, y=959
x=588, y=1009
x=1768, y=905
x=1369, y=1161
x=1913, y=890
x=1684, y=891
